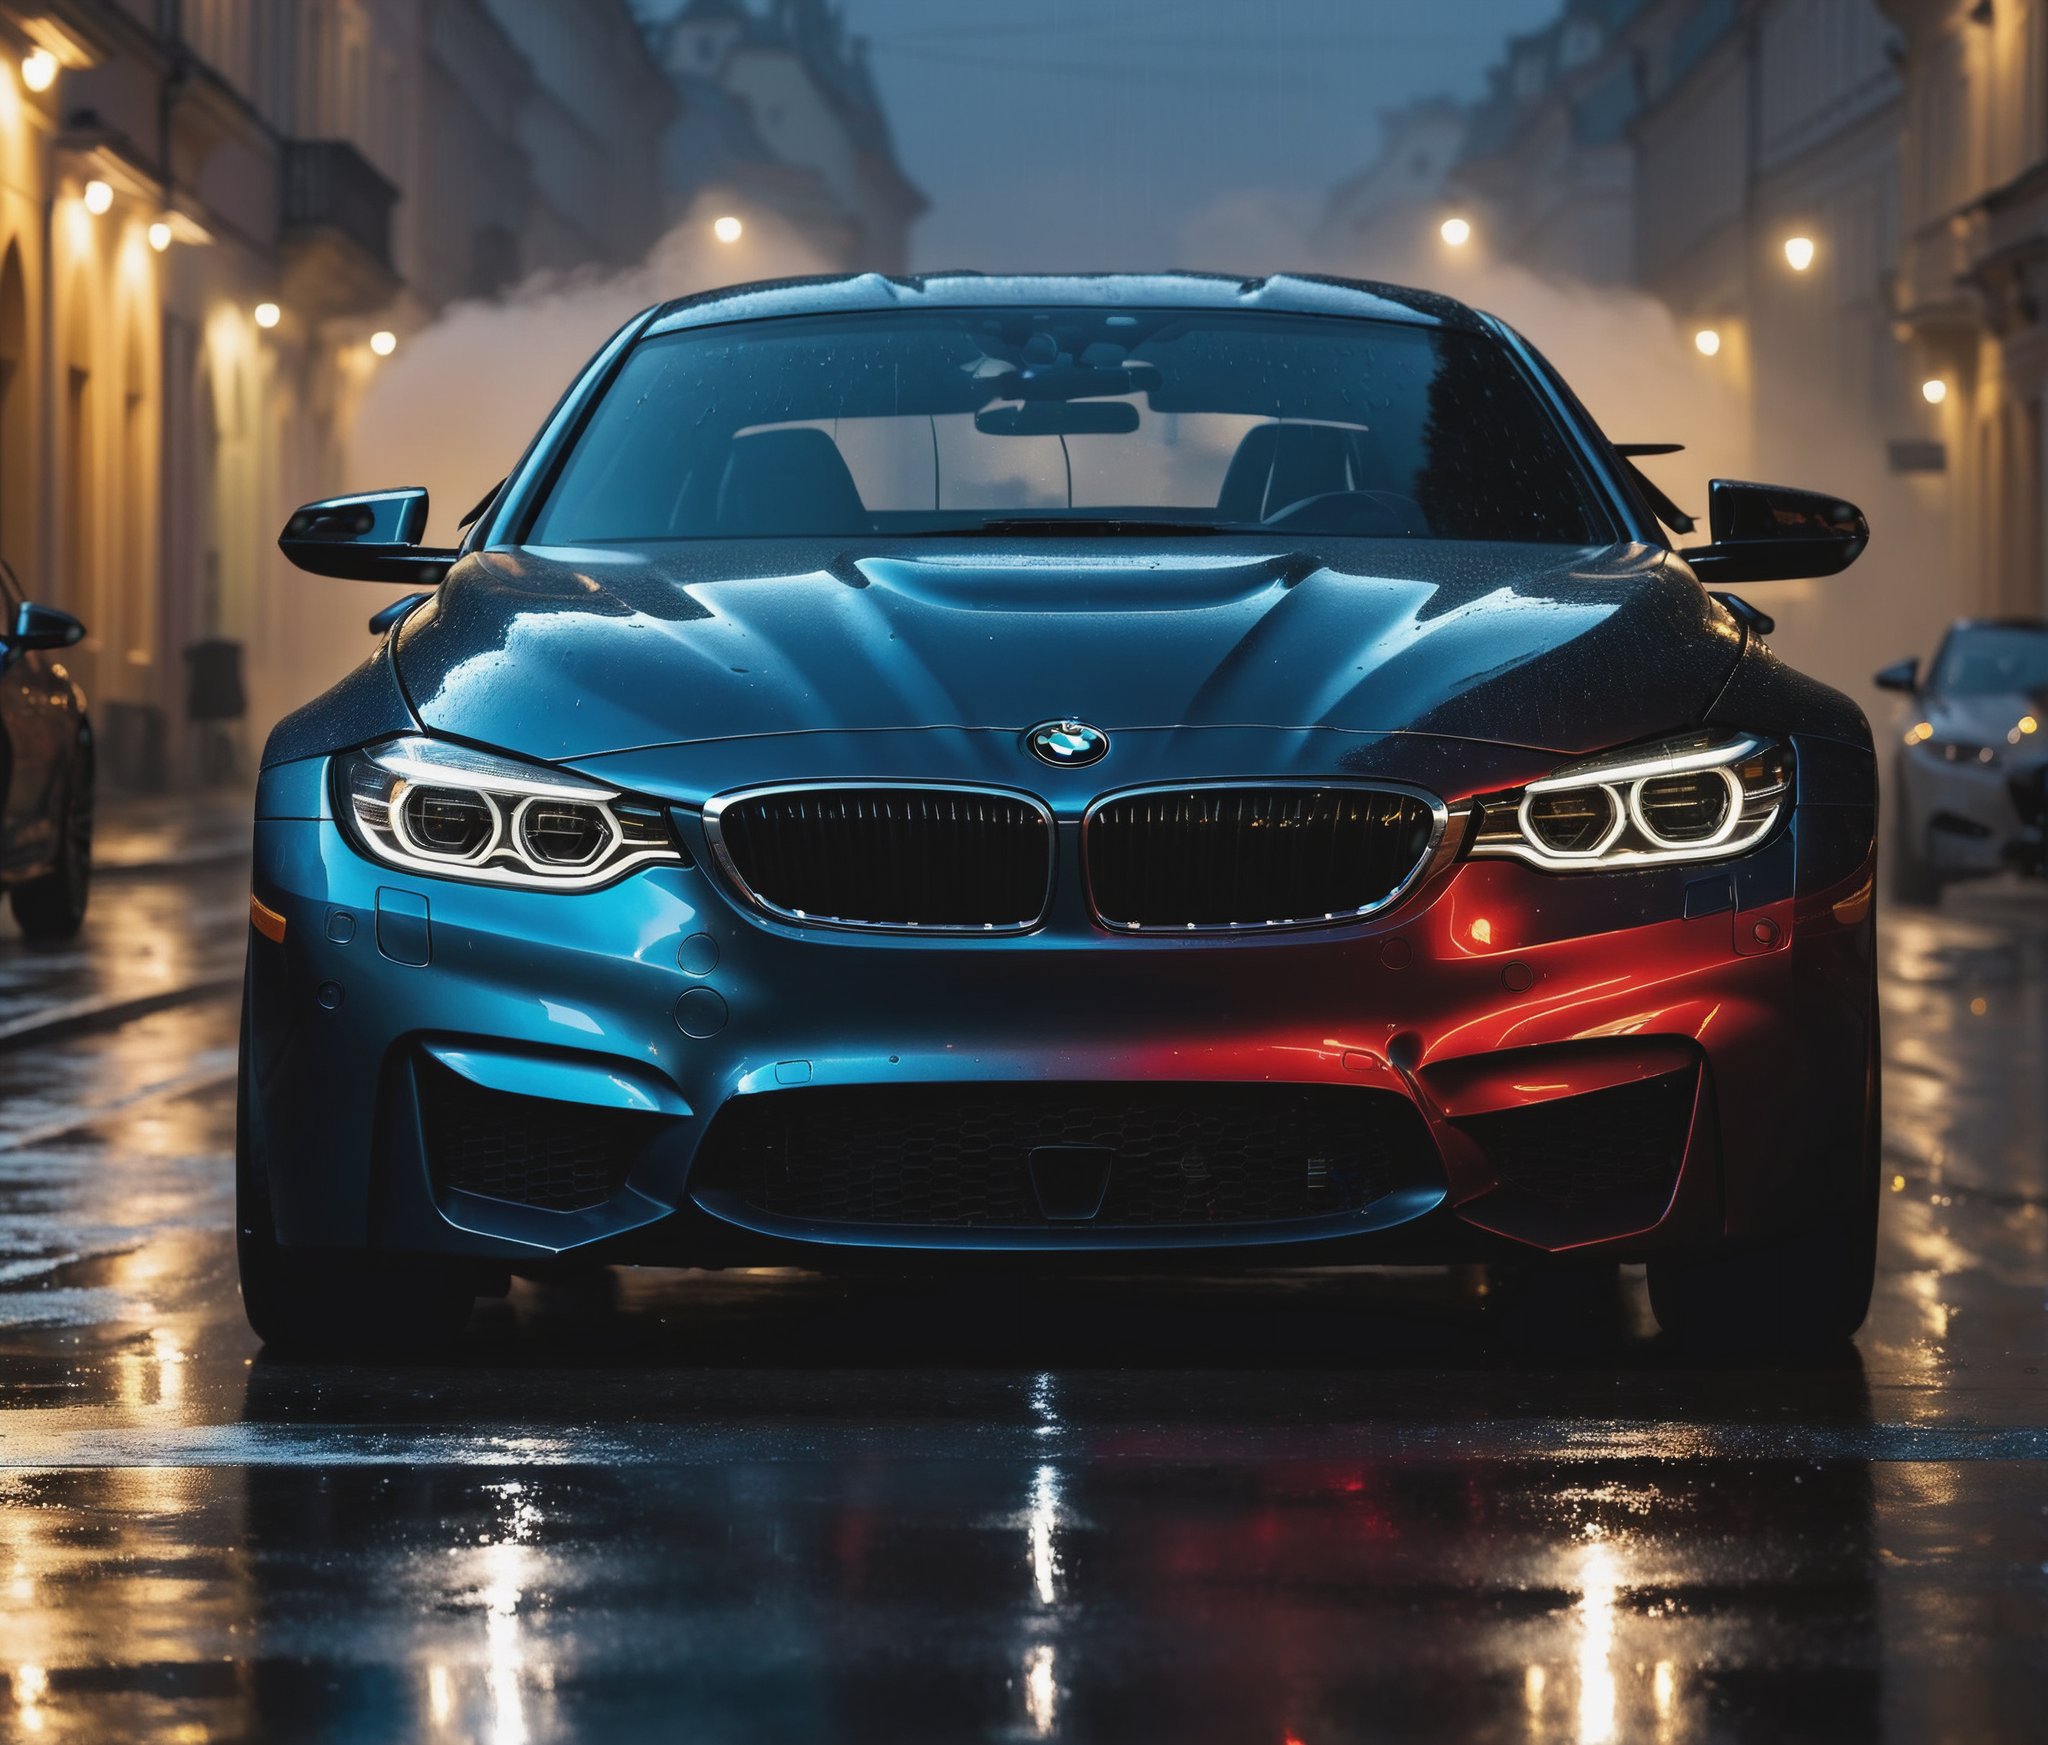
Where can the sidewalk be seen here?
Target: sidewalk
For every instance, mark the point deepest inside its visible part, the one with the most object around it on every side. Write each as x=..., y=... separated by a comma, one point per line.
x=168, y=922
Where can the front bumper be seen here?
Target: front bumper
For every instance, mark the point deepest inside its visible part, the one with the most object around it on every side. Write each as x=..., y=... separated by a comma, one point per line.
x=1491, y=1000
x=1974, y=819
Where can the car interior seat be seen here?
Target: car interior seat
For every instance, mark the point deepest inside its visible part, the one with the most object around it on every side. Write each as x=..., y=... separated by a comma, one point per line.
x=792, y=482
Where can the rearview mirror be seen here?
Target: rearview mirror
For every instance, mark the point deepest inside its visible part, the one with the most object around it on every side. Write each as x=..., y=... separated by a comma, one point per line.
x=1901, y=675
x=44, y=627
x=1772, y=533
x=374, y=537
x=1059, y=418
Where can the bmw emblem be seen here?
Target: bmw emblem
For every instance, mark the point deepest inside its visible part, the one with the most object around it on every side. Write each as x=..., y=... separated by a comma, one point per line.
x=1067, y=744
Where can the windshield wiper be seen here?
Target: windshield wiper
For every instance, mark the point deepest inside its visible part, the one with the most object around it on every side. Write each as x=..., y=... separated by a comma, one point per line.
x=1075, y=527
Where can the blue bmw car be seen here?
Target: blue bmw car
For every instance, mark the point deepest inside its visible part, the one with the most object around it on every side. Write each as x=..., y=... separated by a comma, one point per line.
x=1115, y=770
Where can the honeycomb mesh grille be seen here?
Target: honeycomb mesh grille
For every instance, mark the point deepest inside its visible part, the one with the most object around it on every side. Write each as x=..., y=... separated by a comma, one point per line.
x=960, y=1157
x=893, y=857
x=1251, y=856
x=1611, y=1148
x=558, y=1157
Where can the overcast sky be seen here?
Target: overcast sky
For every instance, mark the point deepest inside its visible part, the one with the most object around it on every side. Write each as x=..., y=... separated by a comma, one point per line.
x=1150, y=133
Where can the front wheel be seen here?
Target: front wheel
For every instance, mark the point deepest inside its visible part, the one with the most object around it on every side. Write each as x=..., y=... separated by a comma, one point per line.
x=1801, y=1294
x=53, y=906
x=1914, y=879
x=323, y=1303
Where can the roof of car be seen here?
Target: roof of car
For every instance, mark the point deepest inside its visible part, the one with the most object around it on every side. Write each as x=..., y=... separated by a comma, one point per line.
x=851, y=293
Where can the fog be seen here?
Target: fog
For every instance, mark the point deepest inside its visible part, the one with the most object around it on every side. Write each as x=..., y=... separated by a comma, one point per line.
x=455, y=408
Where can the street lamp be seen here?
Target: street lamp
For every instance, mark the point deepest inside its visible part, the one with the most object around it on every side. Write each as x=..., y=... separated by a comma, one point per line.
x=1707, y=342
x=383, y=342
x=1799, y=253
x=159, y=236
x=1456, y=231
x=728, y=229
x=1934, y=390
x=99, y=197
x=267, y=314
x=39, y=69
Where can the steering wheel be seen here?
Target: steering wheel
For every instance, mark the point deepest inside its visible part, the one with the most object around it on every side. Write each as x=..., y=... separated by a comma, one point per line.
x=1368, y=512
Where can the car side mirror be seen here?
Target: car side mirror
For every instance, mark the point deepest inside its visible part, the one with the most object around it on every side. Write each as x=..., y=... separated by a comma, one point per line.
x=374, y=537
x=1772, y=533
x=1901, y=675
x=44, y=627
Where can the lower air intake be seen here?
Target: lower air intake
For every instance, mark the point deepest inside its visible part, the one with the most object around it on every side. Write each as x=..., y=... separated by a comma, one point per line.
x=556, y=1157
x=993, y=1156
x=1613, y=1153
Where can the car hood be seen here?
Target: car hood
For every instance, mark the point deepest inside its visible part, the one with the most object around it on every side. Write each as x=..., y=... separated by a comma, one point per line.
x=567, y=654
x=1980, y=718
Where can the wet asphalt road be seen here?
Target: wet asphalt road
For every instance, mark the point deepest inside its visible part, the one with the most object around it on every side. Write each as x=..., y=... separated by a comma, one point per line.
x=1309, y=1508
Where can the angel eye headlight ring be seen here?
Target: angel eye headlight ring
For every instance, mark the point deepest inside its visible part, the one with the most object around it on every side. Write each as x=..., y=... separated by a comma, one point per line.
x=1695, y=797
x=453, y=812
x=1731, y=802
x=1540, y=813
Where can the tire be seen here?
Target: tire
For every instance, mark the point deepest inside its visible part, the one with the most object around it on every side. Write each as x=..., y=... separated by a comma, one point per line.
x=1914, y=879
x=52, y=908
x=1802, y=1295
x=326, y=1303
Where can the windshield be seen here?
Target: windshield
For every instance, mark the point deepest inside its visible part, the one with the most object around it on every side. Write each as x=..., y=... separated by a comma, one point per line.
x=1019, y=420
x=1982, y=660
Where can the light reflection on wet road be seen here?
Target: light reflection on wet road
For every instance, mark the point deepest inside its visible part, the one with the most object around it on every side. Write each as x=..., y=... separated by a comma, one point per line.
x=1313, y=1507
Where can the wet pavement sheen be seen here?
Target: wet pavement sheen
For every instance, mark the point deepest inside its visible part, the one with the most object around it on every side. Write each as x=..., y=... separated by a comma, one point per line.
x=1308, y=1507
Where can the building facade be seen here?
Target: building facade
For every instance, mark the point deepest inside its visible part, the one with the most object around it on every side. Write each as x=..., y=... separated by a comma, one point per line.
x=590, y=120
x=1546, y=167
x=1972, y=285
x=1399, y=197
x=779, y=114
x=1768, y=198
x=1754, y=166
x=209, y=210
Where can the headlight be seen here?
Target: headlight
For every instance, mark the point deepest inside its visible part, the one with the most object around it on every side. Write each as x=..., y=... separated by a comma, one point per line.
x=444, y=809
x=1693, y=798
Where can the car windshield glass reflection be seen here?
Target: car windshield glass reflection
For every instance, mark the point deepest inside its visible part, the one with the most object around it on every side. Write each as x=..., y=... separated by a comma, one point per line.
x=1984, y=660
x=1103, y=421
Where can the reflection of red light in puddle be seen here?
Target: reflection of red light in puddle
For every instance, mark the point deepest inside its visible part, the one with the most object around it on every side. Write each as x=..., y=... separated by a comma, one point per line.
x=1482, y=931
x=1292, y=1739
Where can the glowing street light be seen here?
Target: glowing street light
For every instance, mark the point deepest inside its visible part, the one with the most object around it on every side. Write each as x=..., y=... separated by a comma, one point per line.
x=1707, y=342
x=159, y=236
x=99, y=197
x=1799, y=253
x=267, y=314
x=728, y=229
x=1934, y=390
x=39, y=69
x=383, y=342
x=1456, y=231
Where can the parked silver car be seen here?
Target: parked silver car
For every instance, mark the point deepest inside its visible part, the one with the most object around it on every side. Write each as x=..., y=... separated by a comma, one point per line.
x=1972, y=774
